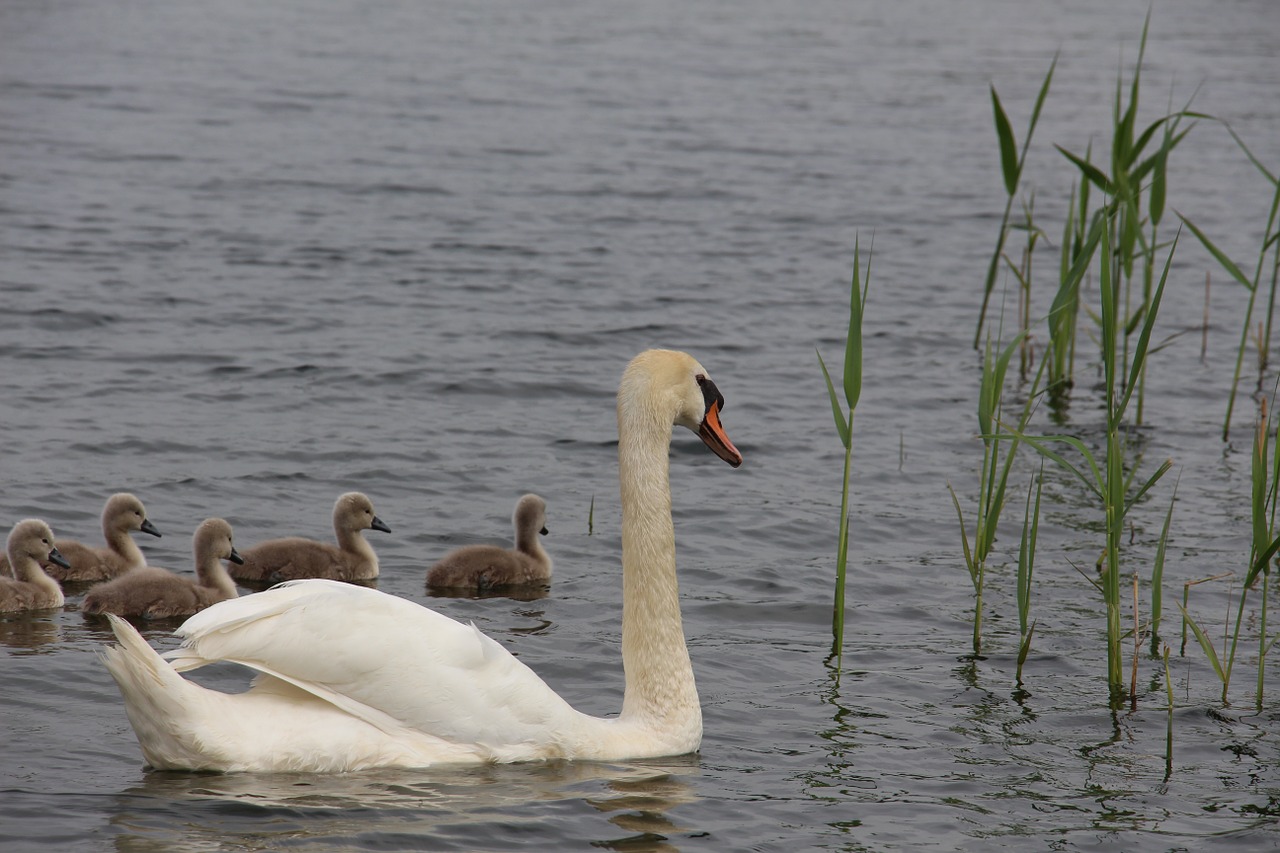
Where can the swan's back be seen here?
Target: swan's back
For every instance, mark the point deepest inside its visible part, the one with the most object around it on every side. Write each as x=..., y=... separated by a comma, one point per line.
x=334, y=641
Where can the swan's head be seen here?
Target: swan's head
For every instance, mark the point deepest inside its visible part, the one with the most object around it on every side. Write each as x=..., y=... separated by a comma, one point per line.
x=125, y=512
x=530, y=514
x=354, y=511
x=32, y=539
x=213, y=536
x=673, y=384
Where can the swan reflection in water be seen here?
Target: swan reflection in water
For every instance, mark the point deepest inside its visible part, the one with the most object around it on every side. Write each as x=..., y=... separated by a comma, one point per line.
x=188, y=811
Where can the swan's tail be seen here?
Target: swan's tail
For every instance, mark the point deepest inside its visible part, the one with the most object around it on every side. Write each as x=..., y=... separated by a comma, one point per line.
x=276, y=726
x=158, y=700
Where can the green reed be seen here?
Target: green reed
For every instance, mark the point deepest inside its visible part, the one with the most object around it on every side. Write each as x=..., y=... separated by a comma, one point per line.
x=1075, y=256
x=1270, y=246
x=1265, y=542
x=1012, y=161
x=1157, y=572
x=1135, y=189
x=852, y=386
x=1109, y=481
x=996, y=467
x=1026, y=567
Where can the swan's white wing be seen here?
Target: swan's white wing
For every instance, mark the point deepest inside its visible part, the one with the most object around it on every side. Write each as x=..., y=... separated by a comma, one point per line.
x=374, y=654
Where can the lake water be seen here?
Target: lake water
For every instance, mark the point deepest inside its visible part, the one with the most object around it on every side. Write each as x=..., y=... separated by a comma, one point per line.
x=255, y=255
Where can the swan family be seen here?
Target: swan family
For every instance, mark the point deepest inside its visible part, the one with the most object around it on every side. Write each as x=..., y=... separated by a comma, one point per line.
x=350, y=678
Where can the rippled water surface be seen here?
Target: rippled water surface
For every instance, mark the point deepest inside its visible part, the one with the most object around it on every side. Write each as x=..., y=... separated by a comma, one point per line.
x=254, y=255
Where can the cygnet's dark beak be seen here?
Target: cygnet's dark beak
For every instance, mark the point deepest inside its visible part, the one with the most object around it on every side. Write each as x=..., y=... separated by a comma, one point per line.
x=148, y=527
x=55, y=557
x=379, y=524
x=235, y=557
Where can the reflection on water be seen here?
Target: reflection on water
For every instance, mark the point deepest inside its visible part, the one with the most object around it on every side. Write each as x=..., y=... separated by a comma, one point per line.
x=267, y=811
x=29, y=631
x=258, y=254
x=516, y=592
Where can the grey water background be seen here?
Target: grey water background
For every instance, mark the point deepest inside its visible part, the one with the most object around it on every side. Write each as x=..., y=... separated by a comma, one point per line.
x=254, y=255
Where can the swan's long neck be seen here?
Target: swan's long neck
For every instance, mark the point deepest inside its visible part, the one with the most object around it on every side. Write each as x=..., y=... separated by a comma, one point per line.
x=660, y=690
x=119, y=540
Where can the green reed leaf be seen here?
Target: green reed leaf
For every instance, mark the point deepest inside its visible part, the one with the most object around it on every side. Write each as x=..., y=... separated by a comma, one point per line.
x=853, y=343
x=1027, y=550
x=1146, y=487
x=1259, y=467
x=1024, y=649
x=842, y=425
x=1159, y=184
x=1262, y=562
x=1157, y=567
x=1148, y=324
x=1008, y=148
x=1090, y=171
x=1226, y=263
x=1039, y=443
x=1205, y=643
x=1035, y=113
x=1147, y=166
x=969, y=561
x=1245, y=148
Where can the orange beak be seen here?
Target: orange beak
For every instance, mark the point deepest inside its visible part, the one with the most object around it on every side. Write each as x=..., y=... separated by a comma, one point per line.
x=713, y=436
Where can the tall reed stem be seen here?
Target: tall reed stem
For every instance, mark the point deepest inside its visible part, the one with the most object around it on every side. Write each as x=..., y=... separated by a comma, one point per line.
x=852, y=387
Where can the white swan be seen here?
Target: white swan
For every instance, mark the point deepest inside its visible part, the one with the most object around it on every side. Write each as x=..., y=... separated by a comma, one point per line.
x=351, y=678
x=482, y=567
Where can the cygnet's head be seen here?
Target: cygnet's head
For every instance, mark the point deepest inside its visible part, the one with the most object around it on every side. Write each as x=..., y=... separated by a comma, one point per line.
x=354, y=511
x=213, y=537
x=124, y=511
x=530, y=514
x=32, y=539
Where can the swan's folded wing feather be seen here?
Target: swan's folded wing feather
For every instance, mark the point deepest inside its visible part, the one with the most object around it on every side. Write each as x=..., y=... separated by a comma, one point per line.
x=373, y=654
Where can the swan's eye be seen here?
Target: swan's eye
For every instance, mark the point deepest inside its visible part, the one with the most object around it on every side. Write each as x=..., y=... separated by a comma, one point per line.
x=710, y=393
